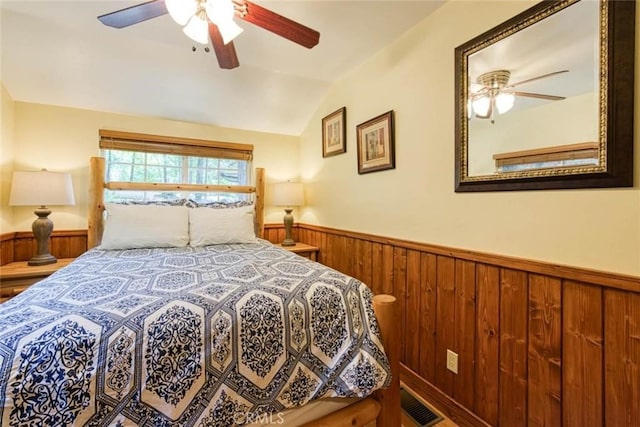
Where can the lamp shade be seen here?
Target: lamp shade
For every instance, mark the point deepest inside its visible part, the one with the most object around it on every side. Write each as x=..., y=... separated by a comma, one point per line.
x=198, y=29
x=481, y=106
x=41, y=188
x=504, y=102
x=229, y=31
x=221, y=13
x=181, y=10
x=288, y=194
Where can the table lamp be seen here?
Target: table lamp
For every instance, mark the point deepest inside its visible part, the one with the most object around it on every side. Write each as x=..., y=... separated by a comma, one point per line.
x=41, y=188
x=288, y=194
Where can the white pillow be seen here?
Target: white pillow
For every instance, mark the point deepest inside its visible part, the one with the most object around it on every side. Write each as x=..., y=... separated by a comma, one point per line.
x=145, y=226
x=218, y=226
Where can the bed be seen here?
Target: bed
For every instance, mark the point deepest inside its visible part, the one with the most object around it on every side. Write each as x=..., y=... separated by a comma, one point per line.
x=209, y=335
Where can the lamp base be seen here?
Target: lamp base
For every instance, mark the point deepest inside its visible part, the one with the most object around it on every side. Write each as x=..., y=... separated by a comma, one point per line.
x=42, y=228
x=42, y=260
x=288, y=224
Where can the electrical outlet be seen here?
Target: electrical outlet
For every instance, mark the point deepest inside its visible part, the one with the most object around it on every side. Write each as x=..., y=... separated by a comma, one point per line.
x=452, y=361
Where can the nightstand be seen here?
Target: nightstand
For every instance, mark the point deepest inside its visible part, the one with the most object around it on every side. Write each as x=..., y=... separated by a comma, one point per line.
x=18, y=276
x=304, y=250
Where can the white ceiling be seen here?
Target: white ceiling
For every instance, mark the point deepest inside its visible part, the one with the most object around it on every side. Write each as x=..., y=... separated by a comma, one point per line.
x=566, y=40
x=57, y=52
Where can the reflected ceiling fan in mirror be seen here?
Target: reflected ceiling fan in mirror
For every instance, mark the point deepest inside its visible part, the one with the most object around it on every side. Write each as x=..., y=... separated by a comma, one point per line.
x=204, y=20
x=492, y=93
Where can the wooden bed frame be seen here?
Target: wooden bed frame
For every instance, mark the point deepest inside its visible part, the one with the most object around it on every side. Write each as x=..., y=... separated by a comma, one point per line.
x=383, y=406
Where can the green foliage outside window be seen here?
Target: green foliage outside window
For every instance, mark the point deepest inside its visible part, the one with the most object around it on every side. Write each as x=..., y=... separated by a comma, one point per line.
x=136, y=166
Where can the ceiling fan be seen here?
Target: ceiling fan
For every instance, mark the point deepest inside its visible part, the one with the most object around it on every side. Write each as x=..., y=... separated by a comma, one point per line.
x=205, y=20
x=492, y=92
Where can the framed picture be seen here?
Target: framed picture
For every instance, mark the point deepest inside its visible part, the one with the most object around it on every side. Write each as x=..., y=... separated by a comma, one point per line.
x=334, y=133
x=376, y=144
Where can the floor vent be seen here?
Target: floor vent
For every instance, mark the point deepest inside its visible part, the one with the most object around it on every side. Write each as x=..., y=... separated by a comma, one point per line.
x=420, y=414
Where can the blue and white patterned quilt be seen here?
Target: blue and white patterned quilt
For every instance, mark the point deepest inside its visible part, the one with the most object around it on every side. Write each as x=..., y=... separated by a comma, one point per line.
x=207, y=336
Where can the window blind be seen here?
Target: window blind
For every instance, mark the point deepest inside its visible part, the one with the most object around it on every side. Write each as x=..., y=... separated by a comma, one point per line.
x=128, y=141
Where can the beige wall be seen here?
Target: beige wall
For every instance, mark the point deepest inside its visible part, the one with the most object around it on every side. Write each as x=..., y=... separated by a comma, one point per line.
x=414, y=76
x=63, y=139
x=6, y=158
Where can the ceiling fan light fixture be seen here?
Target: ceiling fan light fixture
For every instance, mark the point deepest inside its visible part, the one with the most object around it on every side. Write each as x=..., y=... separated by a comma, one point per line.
x=221, y=13
x=504, y=102
x=181, y=10
x=205, y=21
x=481, y=106
x=229, y=31
x=197, y=29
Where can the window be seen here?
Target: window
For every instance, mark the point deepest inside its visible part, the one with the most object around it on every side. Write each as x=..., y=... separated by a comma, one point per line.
x=150, y=158
x=581, y=154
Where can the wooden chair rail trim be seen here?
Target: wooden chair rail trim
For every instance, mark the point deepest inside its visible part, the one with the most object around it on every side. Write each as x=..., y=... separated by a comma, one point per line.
x=579, y=274
x=601, y=278
x=55, y=233
x=7, y=236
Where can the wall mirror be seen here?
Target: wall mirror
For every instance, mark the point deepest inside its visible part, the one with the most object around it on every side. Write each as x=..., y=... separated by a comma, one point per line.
x=545, y=99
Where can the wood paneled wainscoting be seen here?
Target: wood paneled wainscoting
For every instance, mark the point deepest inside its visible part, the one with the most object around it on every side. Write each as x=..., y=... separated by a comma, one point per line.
x=21, y=245
x=538, y=344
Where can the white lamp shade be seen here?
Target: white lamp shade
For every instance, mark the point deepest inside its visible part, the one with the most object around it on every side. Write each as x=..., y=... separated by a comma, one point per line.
x=181, y=10
x=288, y=194
x=197, y=30
x=219, y=11
x=481, y=106
x=41, y=188
x=229, y=31
x=504, y=102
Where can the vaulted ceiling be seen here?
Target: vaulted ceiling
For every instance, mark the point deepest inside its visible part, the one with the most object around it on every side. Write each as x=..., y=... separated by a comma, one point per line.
x=57, y=52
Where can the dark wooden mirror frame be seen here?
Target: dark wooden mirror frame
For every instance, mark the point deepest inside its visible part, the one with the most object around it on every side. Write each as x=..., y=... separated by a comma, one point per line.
x=619, y=113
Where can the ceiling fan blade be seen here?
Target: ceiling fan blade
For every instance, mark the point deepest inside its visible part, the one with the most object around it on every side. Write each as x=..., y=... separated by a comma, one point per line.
x=226, y=53
x=540, y=96
x=538, y=78
x=277, y=24
x=134, y=14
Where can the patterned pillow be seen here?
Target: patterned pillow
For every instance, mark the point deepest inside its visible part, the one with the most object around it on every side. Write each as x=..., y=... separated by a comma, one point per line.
x=173, y=202
x=218, y=205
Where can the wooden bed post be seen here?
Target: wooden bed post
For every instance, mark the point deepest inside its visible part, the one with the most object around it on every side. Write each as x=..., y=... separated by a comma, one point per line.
x=386, y=310
x=385, y=403
x=259, y=202
x=96, y=202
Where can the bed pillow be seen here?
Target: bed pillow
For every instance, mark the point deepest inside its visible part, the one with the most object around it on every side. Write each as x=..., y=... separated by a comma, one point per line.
x=218, y=226
x=170, y=202
x=145, y=226
x=218, y=205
